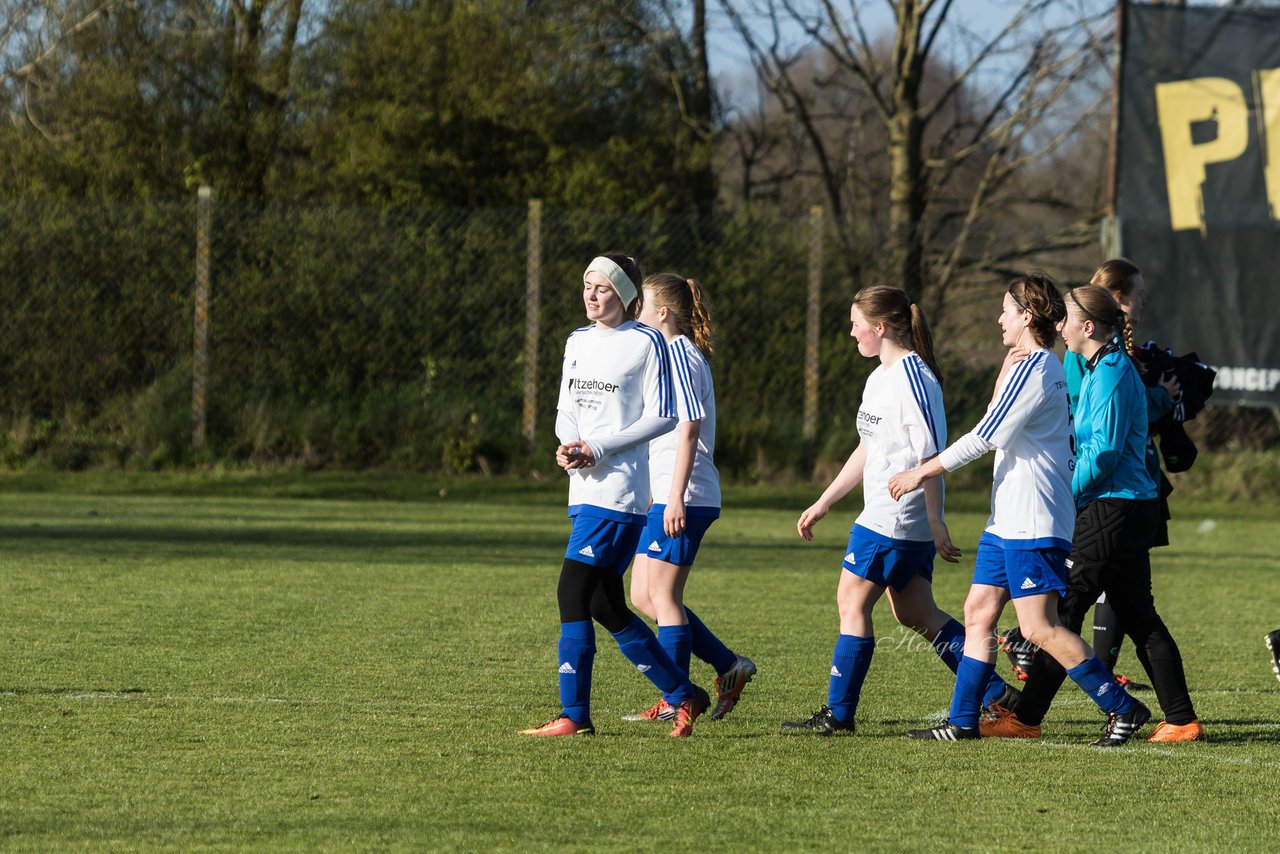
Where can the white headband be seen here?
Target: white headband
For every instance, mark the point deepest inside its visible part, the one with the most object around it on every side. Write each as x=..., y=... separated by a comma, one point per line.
x=617, y=277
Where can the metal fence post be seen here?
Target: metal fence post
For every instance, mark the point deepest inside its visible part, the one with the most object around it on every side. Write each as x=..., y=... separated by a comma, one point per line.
x=812, y=320
x=532, y=321
x=200, y=348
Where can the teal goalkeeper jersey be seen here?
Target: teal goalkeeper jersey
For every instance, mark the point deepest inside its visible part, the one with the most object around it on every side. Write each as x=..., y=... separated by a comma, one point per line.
x=1111, y=433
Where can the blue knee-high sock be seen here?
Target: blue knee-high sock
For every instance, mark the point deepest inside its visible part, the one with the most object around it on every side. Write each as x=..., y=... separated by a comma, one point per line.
x=639, y=644
x=576, y=653
x=849, y=664
x=949, y=645
x=966, y=702
x=676, y=642
x=708, y=647
x=1092, y=677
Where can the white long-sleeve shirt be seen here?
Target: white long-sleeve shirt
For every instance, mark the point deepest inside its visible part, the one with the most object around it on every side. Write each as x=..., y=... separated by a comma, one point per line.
x=616, y=394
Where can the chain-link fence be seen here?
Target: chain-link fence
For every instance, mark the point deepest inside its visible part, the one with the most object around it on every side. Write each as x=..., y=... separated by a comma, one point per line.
x=417, y=339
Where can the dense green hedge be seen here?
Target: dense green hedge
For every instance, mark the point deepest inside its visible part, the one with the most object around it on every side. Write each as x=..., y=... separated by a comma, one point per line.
x=358, y=337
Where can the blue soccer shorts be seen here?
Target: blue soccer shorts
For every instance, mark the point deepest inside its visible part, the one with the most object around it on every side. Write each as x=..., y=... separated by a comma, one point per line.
x=1023, y=572
x=679, y=550
x=885, y=561
x=604, y=543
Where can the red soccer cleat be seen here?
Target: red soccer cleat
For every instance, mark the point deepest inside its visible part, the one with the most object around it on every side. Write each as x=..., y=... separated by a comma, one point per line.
x=563, y=725
x=688, y=712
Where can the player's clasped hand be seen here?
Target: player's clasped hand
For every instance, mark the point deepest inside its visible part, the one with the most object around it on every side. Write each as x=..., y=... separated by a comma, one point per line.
x=575, y=455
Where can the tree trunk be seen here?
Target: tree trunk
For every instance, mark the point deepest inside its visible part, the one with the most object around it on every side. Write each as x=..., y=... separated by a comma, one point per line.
x=701, y=109
x=906, y=156
x=906, y=203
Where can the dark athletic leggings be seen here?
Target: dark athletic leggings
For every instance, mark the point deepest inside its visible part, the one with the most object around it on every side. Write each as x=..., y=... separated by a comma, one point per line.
x=587, y=592
x=1108, y=632
x=1110, y=553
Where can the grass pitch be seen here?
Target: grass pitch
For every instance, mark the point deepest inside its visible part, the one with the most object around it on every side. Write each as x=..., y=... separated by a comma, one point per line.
x=296, y=663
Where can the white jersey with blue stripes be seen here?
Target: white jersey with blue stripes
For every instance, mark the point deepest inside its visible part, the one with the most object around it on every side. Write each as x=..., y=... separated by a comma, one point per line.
x=695, y=397
x=901, y=421
x=1029, y=423
x=611, y=378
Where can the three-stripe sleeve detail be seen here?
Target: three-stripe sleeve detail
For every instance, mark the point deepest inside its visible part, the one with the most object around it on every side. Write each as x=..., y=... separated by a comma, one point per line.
x=666, y=389
x=684, y=379
x=989, y=424
x=921, y=394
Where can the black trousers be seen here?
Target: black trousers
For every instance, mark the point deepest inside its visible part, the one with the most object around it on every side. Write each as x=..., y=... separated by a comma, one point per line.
x=1108, y=632
x=1110, y=553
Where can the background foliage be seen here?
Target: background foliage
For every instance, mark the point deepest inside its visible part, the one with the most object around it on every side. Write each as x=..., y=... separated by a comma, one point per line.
x=372, y=162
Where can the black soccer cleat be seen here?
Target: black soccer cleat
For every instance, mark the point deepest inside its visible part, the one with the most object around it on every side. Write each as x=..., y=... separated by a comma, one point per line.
x=1002, y=705
x=823, y=722
x=1020, y=651
x=1273, y=647
x=1122, y=727
x=946, y=732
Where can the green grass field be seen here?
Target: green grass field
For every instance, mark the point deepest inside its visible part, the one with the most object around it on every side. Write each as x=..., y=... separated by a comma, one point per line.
x=304, y=663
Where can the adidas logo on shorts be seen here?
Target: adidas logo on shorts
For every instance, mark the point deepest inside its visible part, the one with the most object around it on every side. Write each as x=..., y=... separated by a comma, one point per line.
x=644, y=668
x=586, y=550
x=654, y=547
x=567, y=668
x=1027, y=584
x=851, y=558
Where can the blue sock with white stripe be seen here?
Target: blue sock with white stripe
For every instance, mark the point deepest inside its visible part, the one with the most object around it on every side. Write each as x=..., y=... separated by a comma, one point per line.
x=576, y=653
x=640, y=645
x=966, y=701
x=849, y=665
x=708, y=647
x=1092, y=677
x=676, y=642
x=949, y=645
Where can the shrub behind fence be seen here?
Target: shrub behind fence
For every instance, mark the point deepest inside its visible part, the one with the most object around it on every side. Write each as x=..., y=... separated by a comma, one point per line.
x=394, y=337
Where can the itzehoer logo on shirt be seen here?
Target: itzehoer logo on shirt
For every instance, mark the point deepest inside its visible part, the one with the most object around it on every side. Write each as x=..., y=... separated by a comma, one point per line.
x=590, y=393
x=591, y=385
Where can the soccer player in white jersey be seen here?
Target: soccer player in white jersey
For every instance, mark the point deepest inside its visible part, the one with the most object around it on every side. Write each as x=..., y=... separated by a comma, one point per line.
x=616, y=395
x=901, y=422
x=1022, y=554
x=1116, y=523
x=686, y=494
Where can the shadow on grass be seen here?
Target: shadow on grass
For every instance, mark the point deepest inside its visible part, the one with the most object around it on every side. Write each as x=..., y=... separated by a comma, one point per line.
x=276, y=542
x=285, y=542
x=28, y=691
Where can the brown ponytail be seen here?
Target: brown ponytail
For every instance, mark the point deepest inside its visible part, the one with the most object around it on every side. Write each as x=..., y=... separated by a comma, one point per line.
x=687, y=302
x=700, y=319
x=904, y=320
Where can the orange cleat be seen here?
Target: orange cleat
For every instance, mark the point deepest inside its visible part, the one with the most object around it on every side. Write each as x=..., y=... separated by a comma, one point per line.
x=1167, y=732
x=729, y=686
x=659, y=711
x=563, y=725
x=688, y=712
x=1005, y=724
x=1130, y=684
